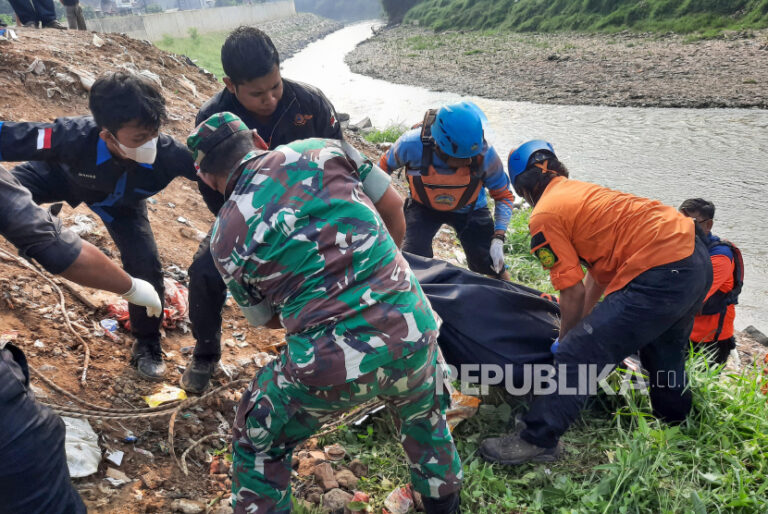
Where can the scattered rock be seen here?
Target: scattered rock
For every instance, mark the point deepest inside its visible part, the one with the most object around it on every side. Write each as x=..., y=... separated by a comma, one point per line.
x=346, y=479
x=218, y=465
x=335, y=452
x=324, y=476
x=315, y=495
x=151, y=480
x=97, y=41
x=187, y=506
x=222, y=508
x=308, y=460
x=358, y=468
x=755, y=334
x=336, y=499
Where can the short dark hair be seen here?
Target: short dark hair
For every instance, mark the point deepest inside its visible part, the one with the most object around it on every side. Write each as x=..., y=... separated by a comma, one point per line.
x=534, y=180
x=121, y=97
x=247, y=54
x=700, y=206
x=223, y=158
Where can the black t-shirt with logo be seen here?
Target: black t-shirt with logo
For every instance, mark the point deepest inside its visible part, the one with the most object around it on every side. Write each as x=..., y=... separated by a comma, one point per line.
x=302, y=113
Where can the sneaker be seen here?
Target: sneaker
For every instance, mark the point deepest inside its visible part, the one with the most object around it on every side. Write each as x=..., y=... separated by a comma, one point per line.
x=54, y=24
x=513, y=450
x=197, y=375
x=148, y=359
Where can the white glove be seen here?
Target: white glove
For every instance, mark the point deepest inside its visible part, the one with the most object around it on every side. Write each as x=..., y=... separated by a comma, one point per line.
x=142, y=293
x=497, y=254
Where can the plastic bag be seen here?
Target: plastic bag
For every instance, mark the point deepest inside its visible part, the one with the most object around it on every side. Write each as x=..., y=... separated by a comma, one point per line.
x=82, y=447
x=176, y=309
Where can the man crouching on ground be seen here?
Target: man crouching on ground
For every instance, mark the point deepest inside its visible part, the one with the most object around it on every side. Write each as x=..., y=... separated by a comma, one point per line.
x=300, y=245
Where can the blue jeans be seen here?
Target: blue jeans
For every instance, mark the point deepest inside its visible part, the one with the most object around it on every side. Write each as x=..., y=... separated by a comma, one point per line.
x=34, y=10
x=653, y=314
x=33, y=477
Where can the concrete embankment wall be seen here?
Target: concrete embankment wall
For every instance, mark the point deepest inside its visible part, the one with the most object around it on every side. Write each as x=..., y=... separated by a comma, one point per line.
x=177, y=24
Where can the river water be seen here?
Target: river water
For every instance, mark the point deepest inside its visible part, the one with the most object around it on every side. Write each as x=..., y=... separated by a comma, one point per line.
x=665, y=154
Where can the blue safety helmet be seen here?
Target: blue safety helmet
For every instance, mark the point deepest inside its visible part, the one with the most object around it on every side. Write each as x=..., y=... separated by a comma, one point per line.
x=458, y=130
x=518, y=158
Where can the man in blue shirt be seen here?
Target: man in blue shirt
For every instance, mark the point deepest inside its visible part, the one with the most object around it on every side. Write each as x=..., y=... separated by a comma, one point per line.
x=111, y=161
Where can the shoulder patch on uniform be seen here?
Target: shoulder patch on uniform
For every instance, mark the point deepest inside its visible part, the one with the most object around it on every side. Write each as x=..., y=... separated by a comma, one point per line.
x=547, y=257
x=538, y=239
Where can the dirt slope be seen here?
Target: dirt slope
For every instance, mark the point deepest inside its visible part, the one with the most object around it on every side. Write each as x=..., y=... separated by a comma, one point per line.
x=27, y=304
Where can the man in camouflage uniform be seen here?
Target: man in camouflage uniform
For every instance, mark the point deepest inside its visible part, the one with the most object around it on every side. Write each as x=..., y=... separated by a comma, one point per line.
x=300, y=245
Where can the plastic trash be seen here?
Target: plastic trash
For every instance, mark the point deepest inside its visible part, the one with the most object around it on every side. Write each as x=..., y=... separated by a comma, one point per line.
x=399, y=501
x=145, y=453
x=176, y=309
x=462, y=407
x=110, y=325
x=167, y=393
x=84, y=224
x=82, y=447
x=115, y=457
x=116, y=477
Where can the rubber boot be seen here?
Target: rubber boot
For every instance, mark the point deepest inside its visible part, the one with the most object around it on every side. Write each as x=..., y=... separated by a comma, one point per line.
x=148, y=359
x=443, y=505
x=198, y=374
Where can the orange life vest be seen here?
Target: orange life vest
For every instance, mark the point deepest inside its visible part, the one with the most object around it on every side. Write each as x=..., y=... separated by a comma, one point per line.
x=443, y=191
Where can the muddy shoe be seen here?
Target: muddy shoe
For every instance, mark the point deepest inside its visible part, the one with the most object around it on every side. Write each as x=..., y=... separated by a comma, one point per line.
x=54, y=24
x=513, y=450
x=148, y=360
x=197, y=375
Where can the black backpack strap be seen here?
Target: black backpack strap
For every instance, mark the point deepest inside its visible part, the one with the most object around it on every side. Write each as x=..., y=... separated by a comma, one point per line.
x=720, y=323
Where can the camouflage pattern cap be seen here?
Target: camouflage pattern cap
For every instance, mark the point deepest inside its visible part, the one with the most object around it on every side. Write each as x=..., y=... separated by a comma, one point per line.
x=211, y=132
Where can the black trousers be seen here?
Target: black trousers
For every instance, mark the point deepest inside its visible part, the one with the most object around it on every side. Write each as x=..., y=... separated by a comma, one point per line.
x=474, y=230
x=34, y=477
x=653, y=314
x=129, y=228
x=207, y=294
x=34, y=10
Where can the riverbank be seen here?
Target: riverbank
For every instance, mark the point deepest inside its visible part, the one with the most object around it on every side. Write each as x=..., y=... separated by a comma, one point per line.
x=290, y=35
x=638, y=70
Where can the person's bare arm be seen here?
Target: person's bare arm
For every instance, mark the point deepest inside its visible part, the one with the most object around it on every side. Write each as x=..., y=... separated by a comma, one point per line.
x=571, y=307
x=390, y=208
x=94, y=269
x=593, y=292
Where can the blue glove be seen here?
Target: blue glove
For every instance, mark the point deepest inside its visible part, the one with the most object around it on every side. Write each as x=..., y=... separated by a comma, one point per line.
x=555, y=345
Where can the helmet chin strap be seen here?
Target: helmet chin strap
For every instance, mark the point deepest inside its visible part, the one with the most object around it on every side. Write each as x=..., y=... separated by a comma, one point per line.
x=543, y=167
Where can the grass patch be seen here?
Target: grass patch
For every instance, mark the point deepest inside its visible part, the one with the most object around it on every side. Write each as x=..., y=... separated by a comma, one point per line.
x=387, y=135
x=473, y=52
x=522, y=266
x=618, y=458
x=424, y=43
x=203, y=49
x=684, y=17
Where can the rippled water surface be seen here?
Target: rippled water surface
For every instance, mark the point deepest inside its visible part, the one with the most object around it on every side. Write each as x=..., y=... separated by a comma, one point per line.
x=667, y=154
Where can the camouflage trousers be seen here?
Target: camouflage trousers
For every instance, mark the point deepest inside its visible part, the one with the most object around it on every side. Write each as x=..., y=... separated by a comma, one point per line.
x=276, y=414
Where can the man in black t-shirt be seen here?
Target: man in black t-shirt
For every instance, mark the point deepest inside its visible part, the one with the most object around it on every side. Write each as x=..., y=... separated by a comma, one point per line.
x=281, y=111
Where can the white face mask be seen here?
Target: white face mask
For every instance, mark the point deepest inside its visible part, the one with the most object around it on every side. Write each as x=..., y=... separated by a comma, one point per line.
x=145, y=154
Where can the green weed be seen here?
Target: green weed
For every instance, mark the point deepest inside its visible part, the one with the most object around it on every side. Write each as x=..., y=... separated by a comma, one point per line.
x=205, y=49
x=684, y=17
x=387, y=135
